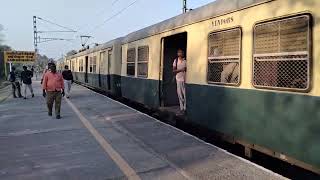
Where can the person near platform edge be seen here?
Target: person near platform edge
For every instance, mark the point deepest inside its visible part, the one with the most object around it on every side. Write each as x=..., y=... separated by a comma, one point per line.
x=46, y=70
x=179, y=69
x=53, y=90
x=26, y=76
x=15, y=83
x=68, y=79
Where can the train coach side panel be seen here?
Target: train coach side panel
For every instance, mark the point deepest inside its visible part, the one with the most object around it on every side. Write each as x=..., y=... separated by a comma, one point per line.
x=79, y=76
x=284, y=122
x=143, y=91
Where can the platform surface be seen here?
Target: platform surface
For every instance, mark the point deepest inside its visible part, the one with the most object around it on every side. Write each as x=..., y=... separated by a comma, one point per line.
x=99, y=138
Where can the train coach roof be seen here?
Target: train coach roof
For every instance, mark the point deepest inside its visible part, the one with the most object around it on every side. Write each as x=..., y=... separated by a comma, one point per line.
x=210, y=10
x=106, y=45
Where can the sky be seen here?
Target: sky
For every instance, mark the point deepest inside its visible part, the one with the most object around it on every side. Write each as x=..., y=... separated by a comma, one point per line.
x=86, y=17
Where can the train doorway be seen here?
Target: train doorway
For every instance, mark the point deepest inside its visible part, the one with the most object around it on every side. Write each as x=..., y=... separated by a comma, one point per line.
x=101, y=68
x=86, y=69
x=170, y=46
x=109, y=69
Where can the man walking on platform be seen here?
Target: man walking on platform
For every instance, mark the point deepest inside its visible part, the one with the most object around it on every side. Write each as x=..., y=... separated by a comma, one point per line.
x=53, y=90
x=15, y=83
x=68, y=79
x=26, y=76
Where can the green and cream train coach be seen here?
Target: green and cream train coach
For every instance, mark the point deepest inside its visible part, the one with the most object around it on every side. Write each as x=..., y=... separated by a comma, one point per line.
x=252, y=72
x=98, y=67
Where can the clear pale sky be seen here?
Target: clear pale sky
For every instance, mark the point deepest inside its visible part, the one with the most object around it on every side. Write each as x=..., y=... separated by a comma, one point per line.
x=83, y=16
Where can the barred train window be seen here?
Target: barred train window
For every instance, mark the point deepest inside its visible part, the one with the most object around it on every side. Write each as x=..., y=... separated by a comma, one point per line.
x=131, y=61
x=90, y=63
x=143, y=59
x=281, y=54
x=94, y=64
x=82, y=69
x=224, y=57
x=72, y=65
x=81, y=65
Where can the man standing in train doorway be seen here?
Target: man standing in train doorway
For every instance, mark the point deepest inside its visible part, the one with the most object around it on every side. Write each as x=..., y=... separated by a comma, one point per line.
x=53, y=89
x=180, y=68
x=68, y=79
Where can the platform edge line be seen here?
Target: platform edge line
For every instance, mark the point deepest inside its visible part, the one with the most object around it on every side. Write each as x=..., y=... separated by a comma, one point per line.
x=242, y=159
x=115, y=156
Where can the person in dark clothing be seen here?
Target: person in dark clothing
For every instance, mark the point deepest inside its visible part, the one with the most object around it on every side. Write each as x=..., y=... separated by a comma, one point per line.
x=32, y=70
x=26, y=76
x=15, y=83
x=68, y=79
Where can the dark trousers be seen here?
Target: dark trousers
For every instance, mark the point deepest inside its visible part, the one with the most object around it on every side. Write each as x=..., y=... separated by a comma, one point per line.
x=54, y=97
x=16, y=87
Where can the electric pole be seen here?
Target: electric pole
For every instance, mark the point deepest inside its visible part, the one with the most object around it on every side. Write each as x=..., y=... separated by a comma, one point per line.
x=35, y=34
x=184, y=8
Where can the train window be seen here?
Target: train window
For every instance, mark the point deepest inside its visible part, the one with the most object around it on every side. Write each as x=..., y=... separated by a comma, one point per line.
x=73, y=65
x=81, y=65
x=281, y=54
x=90, y=63
x=224, y=57
x=143, y=59
x=131, y=61
x=94, y=64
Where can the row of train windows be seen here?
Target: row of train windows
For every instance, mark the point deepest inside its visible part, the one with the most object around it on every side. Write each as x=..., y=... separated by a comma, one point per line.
x=142, y=63
x=92, y=65
x=281, y=58
x=281, y=55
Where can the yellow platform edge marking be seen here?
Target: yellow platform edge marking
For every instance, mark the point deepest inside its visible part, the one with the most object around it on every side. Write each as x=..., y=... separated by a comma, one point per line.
x=115, y=156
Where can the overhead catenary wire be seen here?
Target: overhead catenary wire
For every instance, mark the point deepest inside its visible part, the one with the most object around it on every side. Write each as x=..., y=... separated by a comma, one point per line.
x=113, y=16
x=53, y=23
x=114, y=2
x=98, y=14
x=53, y=31
x=38, y=39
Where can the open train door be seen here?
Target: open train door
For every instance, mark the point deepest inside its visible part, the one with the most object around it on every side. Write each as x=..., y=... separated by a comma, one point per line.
x=168, y=87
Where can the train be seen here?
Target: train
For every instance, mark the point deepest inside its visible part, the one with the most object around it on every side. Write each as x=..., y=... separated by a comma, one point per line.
x=252, y=72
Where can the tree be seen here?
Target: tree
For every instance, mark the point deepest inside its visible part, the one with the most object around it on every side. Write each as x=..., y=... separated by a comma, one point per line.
x=1, y=35
x=41, y=62
x=3, y=48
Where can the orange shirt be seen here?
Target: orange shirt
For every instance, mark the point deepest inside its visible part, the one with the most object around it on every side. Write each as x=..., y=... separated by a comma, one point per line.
x=53, y=81
x=44, y=72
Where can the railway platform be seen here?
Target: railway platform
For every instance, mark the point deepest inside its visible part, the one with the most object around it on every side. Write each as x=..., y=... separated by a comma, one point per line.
x=99, y=138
